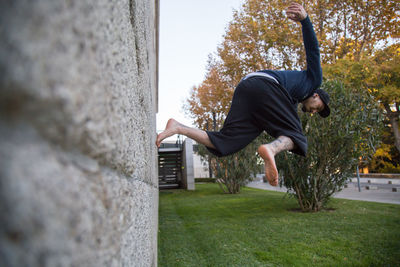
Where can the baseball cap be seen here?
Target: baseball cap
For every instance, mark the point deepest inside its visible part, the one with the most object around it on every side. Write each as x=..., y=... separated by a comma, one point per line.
x=325, y=98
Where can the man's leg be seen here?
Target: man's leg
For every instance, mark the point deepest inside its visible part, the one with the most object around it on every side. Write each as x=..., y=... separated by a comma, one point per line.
x=268, y=152
x=174, y=127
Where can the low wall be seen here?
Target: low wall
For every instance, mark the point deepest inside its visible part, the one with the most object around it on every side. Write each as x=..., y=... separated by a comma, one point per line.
x=380, y=175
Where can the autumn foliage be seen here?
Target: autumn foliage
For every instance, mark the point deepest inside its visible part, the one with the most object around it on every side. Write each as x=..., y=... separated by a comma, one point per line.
x=357, y=39
x=260, y=36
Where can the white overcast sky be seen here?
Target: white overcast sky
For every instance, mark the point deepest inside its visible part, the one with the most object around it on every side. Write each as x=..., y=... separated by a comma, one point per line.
x=190, y=30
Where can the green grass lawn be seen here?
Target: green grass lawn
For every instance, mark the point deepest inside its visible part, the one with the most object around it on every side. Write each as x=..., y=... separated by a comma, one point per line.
x=258, y=228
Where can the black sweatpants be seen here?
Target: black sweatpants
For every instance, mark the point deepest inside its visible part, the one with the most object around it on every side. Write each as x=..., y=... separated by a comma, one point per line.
x=258, y=104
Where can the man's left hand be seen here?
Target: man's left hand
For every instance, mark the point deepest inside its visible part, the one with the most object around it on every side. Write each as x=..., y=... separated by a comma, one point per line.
x=296, y=12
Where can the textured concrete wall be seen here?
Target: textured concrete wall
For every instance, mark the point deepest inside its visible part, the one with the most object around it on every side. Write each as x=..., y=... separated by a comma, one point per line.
x=78, y=176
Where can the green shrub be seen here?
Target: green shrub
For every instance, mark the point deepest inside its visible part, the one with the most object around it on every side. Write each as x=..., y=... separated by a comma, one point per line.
x=235, y=171
x=336, y=145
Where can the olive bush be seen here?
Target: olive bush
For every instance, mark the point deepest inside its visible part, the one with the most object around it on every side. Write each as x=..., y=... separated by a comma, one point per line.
x=335, y=146
x=235, y=171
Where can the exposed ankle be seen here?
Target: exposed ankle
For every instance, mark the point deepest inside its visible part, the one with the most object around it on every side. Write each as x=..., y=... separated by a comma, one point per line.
x=282, y=143
x=271, y=148
x=179, y=129
x=182, y=129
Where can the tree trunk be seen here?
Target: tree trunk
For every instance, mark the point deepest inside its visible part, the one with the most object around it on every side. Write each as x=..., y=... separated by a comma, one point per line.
x=395, y=127
x=394, y=121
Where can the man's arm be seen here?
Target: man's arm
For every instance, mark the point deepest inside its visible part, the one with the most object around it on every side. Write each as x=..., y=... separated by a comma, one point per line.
x=297, y=13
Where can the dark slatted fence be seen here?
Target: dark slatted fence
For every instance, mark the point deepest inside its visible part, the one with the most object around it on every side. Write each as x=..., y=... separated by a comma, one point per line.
x=169, y=168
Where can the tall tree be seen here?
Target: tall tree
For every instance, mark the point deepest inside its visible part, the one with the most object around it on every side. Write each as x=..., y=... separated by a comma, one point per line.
x=209, y=102
x=260, y=36
x=378, y=75
x=385, y=84
x=354, y=28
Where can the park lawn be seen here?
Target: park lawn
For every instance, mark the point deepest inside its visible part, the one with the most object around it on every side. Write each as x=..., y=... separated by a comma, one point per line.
x=259, y=228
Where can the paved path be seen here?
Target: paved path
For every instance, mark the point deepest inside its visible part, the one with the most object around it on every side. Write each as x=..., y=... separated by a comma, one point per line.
x=375, y=195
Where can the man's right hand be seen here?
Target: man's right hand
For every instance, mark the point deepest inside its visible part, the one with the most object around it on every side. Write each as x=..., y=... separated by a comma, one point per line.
x=296, y=12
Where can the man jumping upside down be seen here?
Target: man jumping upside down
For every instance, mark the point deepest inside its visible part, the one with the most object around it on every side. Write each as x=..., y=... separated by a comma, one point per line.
x=267, y=101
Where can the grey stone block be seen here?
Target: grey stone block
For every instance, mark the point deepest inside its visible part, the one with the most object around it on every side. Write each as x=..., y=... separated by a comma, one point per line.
x=82, y=72
x=78, y=171
x=54, y=212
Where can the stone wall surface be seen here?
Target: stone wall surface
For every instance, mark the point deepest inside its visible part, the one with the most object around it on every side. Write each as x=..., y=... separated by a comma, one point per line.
x=78, y=176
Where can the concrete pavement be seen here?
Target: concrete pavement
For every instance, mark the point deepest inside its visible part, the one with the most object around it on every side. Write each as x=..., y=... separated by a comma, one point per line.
x=383, y=195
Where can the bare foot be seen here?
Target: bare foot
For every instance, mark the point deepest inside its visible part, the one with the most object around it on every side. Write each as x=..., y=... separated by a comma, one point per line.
x=271, y=172
x=170, y=129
